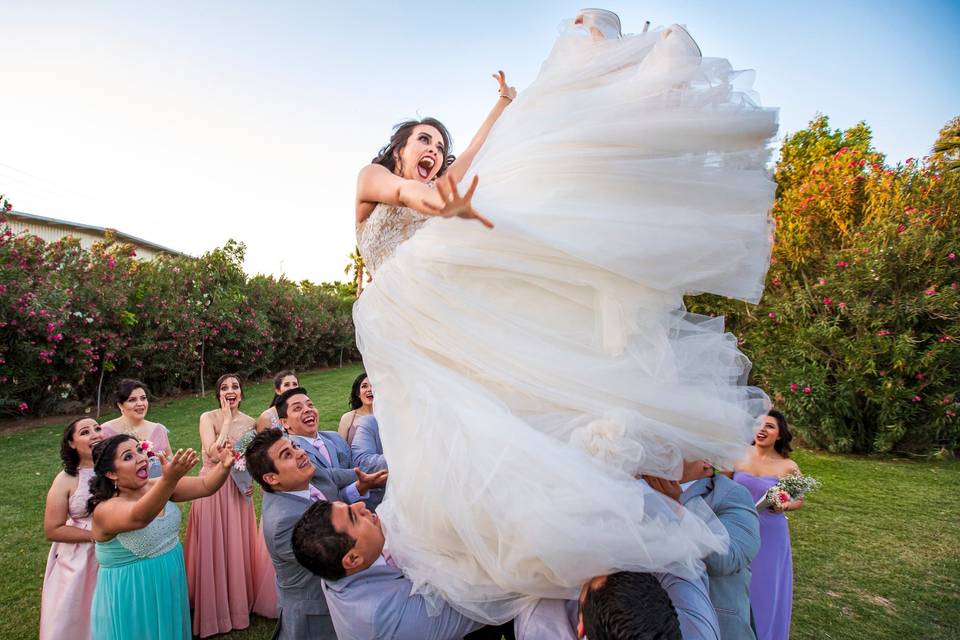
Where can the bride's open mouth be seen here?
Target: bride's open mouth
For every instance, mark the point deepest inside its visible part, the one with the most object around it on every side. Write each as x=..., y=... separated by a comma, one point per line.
x=231, y=397
x=142, y=470
x=425, y=166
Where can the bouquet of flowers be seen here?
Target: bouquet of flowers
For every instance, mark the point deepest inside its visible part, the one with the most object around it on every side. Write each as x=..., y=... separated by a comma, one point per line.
x=788, y=488
x=241, y=477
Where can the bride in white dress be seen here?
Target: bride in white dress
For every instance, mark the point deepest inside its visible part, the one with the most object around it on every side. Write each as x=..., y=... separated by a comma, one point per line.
x=526, y=373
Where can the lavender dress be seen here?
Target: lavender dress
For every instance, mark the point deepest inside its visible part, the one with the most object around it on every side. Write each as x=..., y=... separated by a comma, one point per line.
x=771, y=586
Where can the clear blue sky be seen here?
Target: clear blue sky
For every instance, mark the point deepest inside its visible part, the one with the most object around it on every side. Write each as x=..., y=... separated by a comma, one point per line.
x=188, y=123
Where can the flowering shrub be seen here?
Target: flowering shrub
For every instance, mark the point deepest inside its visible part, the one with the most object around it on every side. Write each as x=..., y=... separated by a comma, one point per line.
x=74, y=320
x=857, y=337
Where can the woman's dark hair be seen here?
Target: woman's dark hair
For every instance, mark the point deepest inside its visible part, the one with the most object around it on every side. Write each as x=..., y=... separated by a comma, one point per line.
x=629, y=606
x=125, y=389
x=225, y=377
x=277, y=381
x=782, y=445
x=68, y=455
x=387, y=156
x=355, y=401
x=104, y=459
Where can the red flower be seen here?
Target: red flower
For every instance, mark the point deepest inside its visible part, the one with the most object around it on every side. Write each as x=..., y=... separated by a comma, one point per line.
x=828, y=301
x=883, y=332
x=772, y=315
x=931, y=291
x=23, y=407
x=843, y=264
x=807, y=390
x=917, y=398
x=951, y=256
x=901, y=228
x=793, y=387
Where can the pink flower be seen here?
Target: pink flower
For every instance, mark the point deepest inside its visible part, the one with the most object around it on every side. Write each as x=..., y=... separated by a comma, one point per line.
x=842, y=305
x=775, y=281
x=111, y=262
x=917, y=398
x=951, y=414
x=931, y=291
x=951, y=256
x=821, y=281
x=920, y=376
x=954, y=286
x=793, y=387
x=910, y=160
x=772, y=315
x=828, y=301
x=23, y=407
x=842, y=264
x=883, y=332
x=901, y=228
x=807, y=390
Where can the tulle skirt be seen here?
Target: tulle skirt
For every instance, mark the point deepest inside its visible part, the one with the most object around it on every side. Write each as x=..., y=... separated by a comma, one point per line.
x=525, y=375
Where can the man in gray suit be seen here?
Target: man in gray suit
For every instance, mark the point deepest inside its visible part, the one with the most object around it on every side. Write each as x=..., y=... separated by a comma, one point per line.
x=729, y=572
x=368, y=596
x=285, y=473
x=328, y=452
x=368, y=453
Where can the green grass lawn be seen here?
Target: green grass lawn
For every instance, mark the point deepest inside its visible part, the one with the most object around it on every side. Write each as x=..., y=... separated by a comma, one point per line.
x=875, y=550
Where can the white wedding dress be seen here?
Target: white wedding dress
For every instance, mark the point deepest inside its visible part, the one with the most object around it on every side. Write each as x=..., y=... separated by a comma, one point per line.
x=524, y=374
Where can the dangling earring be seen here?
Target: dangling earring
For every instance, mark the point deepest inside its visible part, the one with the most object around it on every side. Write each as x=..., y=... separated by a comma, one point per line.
x=116, y=487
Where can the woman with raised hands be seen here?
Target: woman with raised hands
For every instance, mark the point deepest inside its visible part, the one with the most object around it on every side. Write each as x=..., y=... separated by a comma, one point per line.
x=133, y=400
x=71, y=573
x=229, y=571
x=553, y=351
x=142, y=588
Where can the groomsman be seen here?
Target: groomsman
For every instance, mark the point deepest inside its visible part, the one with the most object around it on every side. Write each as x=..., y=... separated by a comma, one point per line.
x=328, y=452
x=368, y=454
x=285, y=473
x=729, y=572
x=368, y=596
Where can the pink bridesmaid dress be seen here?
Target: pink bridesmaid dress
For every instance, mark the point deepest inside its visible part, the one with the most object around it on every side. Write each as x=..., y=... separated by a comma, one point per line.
x=71, y=575
x=229, y=572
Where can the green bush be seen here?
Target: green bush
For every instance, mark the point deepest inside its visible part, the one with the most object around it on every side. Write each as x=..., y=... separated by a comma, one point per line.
x=75, y=320
x=856, y=338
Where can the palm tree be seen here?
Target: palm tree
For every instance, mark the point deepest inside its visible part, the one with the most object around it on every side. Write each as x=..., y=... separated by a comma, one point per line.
x=947, y=147
x=355, y=266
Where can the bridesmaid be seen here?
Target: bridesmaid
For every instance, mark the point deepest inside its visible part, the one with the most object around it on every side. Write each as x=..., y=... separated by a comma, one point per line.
x=229, y=573
x=286, y=379
x=141, y=589
x=71, y=574
x=132, y=398
x=771, y=586
x=361, y=404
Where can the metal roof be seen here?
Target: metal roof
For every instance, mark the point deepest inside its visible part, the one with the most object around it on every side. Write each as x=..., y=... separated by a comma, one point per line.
x=126, y=237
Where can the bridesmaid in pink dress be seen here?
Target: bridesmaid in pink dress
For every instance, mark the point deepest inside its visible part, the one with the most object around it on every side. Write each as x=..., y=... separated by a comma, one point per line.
x=229, y=572
x=132, y=398
x=71, y=574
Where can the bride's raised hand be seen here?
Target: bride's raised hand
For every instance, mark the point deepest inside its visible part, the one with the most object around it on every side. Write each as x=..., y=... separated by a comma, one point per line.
x=506, y=91
x=457, y=206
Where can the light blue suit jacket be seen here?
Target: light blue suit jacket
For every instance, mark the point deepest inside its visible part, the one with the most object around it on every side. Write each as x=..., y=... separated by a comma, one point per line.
x=303, y=610
x=368, y=454
x=376, y=604
x=332, y=479
x=729, y=572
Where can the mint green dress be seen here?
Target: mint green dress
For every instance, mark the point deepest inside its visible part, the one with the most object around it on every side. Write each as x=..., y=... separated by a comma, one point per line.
x=142, y=587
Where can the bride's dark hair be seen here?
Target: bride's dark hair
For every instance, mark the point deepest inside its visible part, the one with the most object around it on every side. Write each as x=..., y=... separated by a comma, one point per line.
x=104, y=453
x=401, y=133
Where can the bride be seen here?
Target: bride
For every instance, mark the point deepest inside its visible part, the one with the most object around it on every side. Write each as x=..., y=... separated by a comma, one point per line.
x=527, y=372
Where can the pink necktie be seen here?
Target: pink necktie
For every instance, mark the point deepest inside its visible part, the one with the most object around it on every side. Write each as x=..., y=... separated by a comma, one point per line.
x=322, y=448
x=316, y=494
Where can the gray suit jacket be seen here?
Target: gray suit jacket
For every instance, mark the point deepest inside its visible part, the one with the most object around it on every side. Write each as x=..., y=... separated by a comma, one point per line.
x=375, y=604
x=331, y=479
x=368, y=454
x=729, y=572
x=302, y=607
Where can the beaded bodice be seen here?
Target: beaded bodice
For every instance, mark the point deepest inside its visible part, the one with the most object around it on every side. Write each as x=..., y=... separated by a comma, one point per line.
x=157, y=538
x=379, y=235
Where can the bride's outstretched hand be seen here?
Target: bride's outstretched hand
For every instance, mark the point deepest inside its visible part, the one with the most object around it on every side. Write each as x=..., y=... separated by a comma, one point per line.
x=457, y=206
x=506, y=91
